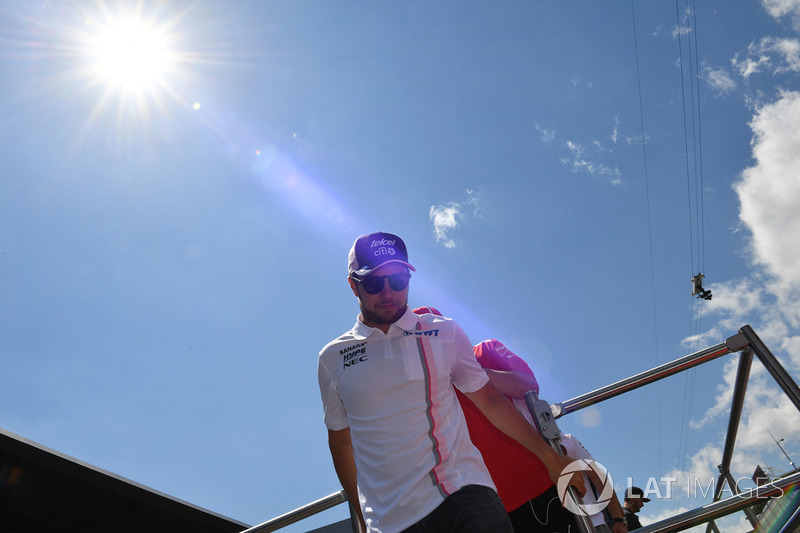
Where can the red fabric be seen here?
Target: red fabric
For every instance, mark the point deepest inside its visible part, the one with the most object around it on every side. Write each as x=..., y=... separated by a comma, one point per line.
x=518, y=474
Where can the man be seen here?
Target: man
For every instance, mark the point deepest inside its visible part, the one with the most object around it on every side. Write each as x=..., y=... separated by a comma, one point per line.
x=613, y=513
x=523, y=484
x=634, y=501
x=398, y=440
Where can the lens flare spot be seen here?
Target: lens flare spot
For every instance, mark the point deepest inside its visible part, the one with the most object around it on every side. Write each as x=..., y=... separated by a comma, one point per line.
x=591, y=417
x=9, y=476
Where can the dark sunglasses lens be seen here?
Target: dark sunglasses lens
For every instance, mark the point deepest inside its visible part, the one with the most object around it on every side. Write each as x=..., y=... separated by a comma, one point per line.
x=398, y=282
x=372, y=284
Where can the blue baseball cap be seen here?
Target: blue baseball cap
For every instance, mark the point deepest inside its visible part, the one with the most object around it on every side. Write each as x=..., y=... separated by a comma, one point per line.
x=373, y=250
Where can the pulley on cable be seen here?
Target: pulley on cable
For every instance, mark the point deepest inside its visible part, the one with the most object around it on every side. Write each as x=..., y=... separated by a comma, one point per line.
x=697, y=287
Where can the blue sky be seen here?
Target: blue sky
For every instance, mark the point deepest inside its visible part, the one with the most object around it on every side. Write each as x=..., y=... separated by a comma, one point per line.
x=175, y=231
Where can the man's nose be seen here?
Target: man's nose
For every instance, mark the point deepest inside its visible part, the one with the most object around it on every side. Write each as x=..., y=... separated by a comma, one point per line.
x=386, y=290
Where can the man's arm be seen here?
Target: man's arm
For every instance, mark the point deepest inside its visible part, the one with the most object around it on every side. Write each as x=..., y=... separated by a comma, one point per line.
x=345, y=465
x=502, y=413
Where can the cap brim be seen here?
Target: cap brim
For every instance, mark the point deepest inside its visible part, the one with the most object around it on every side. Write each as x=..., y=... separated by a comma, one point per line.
x=364, y=271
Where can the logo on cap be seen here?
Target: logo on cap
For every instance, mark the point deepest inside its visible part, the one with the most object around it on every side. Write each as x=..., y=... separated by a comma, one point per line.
x=375, y=249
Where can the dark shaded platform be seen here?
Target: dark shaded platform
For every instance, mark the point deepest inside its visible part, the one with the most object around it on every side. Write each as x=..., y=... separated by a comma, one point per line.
x=44, y=490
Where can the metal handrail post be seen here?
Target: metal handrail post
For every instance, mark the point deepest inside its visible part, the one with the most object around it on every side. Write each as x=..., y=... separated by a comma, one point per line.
x=300, y=513
x=732, y=344
x=723, y=507
x=354, y=524
x=739, y=390
x=748, y=512
x=548, y=429
x=773, y=366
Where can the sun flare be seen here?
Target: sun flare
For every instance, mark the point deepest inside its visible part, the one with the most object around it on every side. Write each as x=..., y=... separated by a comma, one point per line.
x=131, y=55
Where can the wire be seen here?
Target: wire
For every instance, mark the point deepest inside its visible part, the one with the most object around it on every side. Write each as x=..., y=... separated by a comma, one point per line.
x=701, y=194
x=649, y=230
x=696, y=226
x=685, y=137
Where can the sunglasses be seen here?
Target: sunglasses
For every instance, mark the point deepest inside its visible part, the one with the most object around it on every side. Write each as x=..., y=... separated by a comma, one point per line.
x=374, y=284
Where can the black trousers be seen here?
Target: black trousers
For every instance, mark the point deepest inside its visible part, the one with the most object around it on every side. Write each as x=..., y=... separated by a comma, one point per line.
x=471, y=509
x=543, y=514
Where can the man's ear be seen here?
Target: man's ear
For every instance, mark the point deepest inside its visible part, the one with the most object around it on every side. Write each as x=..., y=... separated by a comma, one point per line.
x=352, y=285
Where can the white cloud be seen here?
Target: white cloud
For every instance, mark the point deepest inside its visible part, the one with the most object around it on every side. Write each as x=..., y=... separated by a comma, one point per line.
x=594, y=158
x=719, y=79
x=680, y=30
x=769, y=193
x=547, y=135
x=448, y=217
x=777, y=56
x=702, y=467
x=782, y=8
x=445, y=218
x=779, y=8
x=579, y=162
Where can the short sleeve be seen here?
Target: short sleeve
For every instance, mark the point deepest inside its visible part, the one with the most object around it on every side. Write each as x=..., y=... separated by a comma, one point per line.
x=335, y=414
x=467, y=375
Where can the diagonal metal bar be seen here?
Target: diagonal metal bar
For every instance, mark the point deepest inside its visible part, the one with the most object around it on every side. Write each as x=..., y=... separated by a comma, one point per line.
x=723, y=507
x=733, y=344
x=739, y=390
x=772, y=365
x=299, y=514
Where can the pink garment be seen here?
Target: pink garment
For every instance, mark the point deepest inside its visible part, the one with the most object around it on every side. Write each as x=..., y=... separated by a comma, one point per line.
x=493, y=354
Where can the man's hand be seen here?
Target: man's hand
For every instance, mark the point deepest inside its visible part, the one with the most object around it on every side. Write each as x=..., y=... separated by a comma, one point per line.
x=619, y=527
x=557, y=464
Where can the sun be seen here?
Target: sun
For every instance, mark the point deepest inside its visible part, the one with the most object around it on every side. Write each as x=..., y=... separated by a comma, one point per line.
x=130, y=54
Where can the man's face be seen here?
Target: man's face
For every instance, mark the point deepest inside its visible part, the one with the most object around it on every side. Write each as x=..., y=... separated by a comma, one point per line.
x=635, y=504
x=388, y=305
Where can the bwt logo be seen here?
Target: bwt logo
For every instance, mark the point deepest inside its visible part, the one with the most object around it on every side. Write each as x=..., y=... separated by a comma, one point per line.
x=426, y=333
x=581, y=465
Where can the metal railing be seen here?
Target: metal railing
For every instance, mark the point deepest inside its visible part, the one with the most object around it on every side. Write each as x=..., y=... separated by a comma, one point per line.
x=746, y=342
x=305, y=511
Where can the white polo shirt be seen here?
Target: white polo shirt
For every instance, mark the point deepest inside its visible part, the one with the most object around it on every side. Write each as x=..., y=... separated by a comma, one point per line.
x=575, y=450
x=395, y=393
